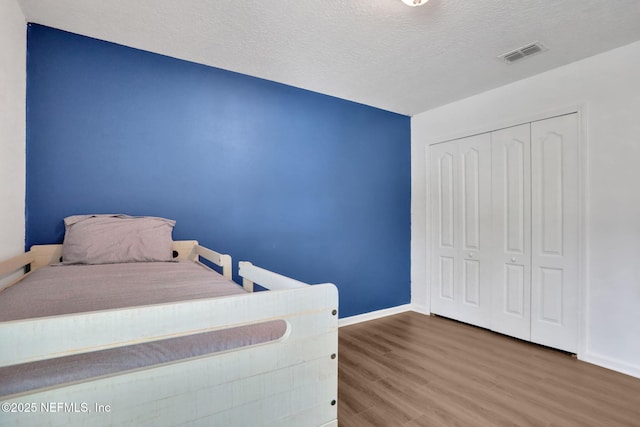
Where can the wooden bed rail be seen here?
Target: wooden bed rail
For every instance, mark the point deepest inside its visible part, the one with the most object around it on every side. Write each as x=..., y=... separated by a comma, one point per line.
x=221, y=260
x=9, y=269
x=104, y=329
x=43, y=255
x=268, y=279
x=12, y=264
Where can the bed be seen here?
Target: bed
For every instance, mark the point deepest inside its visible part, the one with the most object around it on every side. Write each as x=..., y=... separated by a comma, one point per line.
x=56, y=363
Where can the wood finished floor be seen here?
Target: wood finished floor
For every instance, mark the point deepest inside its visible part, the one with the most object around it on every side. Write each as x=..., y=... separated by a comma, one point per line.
x=413, y=370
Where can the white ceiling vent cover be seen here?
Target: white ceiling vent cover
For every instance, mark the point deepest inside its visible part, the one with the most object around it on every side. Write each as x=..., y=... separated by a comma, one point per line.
x=522, y=52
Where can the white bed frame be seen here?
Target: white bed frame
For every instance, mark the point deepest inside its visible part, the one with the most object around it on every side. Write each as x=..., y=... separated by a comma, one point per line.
x=289, y=382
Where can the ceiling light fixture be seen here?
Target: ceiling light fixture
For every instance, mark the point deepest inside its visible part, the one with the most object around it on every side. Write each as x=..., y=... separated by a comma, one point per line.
x=414, y=3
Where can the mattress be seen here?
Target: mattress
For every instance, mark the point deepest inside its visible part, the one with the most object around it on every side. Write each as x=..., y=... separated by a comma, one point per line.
x=59, y=290
x=65, y=289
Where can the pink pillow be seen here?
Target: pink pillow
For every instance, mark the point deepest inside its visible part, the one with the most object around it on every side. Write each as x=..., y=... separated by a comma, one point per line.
x=110, y=239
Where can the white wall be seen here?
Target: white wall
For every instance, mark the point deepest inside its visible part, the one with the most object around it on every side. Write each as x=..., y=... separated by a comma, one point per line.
x=13, y=47
x=608, y=87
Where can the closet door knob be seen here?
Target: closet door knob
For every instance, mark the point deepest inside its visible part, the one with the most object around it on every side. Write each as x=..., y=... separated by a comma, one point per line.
x=513, y=259
x=470, y=254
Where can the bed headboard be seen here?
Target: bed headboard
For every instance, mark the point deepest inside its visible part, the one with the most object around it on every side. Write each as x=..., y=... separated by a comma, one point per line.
x=50, y=254
x=43, y=255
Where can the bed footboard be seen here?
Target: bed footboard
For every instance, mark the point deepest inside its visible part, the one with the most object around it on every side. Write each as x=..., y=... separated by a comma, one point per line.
x=288, y=382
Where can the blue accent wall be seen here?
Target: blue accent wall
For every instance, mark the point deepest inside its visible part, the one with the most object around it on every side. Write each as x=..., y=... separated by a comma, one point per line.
x=311, y=186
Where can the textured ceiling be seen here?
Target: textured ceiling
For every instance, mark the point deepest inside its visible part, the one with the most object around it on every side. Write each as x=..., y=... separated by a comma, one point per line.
x=376, y=52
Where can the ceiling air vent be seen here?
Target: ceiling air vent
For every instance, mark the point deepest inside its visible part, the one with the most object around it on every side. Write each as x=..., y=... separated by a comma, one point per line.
x=522, y=52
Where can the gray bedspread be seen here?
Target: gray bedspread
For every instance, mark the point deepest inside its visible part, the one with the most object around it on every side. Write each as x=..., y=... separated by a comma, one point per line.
x=65, y=289
x=57, y=290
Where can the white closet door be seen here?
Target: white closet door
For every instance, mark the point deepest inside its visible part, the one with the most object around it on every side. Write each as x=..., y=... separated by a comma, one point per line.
x=460, y=226
x=554, y=272
x=475, y=226
x=511, y=314
x=444, y=196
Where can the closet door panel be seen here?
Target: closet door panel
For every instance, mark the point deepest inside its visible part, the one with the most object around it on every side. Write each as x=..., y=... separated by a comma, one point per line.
x=554, y=281
x=511, y=184
x=471, y=282
x=445, y=277
x=475, y=225
x=514, y=290
x=444, y=195
x=460, y=196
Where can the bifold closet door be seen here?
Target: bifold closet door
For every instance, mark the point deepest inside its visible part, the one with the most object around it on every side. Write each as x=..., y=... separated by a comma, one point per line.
x=460, y=195
x=554, y=240
x=504, y=231
x=511, y=194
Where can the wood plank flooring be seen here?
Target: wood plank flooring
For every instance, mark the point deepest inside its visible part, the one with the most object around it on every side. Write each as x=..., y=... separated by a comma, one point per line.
x=413, y=370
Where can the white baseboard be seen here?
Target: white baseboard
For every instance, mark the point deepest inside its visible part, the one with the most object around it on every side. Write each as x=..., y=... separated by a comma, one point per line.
x=613, y=364
x=351, y=320
x=422, y=309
